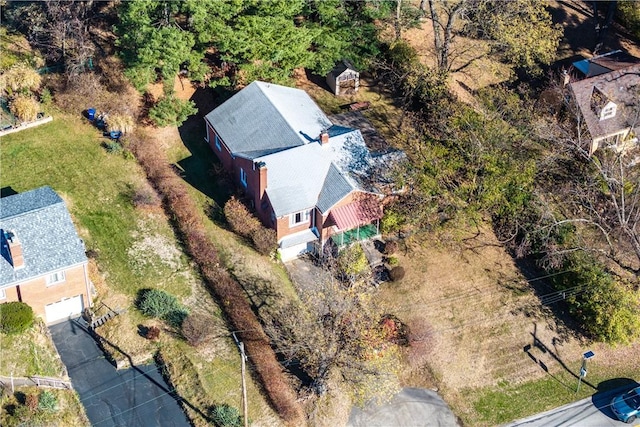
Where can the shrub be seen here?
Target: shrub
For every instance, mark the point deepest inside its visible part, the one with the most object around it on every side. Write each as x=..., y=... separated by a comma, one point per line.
x=196, y=329
x=31, y=402
x=25, y=108
x=20, y=78
x=122, y=122
x=171, y=111
x=226, y=416
x=352, y=262
x=392, y=261
x=113, y=147
x=153, y=333
x=48, y=401
x=158, y=303
x=397, y=273
x=390, y=247
x=176, y=317
x=45, y=97
x=264, y=240
x=239, y=218
x=15, y=317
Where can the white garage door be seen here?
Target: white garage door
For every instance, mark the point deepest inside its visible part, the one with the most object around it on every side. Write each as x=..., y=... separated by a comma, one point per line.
x=63, y=309
x=293, y=252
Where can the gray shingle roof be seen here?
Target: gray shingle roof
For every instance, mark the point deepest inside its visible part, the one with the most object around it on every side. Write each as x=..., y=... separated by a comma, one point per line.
x=620, y=87
x=41, y=222
x=264, y=117
x=295, y=177
x=280, y=126
x=335, y=188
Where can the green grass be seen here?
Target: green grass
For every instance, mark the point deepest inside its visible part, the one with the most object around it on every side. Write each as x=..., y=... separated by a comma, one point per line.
x=507, y=402
x=70, y=412
x=30, y=353
x=67, y=155
x=134, y=249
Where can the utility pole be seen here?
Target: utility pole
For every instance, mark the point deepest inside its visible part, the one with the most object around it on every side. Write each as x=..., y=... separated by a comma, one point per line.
x=245, y=403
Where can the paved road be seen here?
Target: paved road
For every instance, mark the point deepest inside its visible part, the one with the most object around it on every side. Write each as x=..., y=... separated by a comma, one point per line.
x=590, y=412
x=131, y=397
x=412, y=407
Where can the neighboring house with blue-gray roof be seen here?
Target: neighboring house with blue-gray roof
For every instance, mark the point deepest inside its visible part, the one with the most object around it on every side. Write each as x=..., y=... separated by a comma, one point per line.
x=308, y=178
x=43, y=261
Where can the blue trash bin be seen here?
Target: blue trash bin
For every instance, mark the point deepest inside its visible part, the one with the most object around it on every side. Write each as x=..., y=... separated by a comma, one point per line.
x=91, y=113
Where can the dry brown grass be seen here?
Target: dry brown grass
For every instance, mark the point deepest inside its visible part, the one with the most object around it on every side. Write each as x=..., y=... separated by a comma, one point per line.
x=477, y=314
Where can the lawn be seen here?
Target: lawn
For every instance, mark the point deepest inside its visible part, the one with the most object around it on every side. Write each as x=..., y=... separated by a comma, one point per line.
x=130, y=249
x=479, y=316
x=69, y=412
x=31, y=353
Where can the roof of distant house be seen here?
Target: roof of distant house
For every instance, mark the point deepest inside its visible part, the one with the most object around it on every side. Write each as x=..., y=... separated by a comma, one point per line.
x=265, y=118
x=41, y=222
x=621, y=87
x=605, y=63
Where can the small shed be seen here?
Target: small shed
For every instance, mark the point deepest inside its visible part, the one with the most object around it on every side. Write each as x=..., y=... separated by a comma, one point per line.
x=343, y=79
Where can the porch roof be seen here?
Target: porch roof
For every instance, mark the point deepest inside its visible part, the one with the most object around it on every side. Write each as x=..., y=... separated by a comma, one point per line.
x=306, y=236
x=355, y=214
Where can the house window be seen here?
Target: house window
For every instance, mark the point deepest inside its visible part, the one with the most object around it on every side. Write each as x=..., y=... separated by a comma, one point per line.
x=608, y=112
x=3, y=294
x=298, y=218
x=217, y=140
x=243, y=177
x=54, y=278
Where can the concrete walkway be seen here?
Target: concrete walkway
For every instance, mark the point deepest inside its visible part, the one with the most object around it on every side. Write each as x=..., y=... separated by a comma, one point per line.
x=47, y=382
x=412, y=407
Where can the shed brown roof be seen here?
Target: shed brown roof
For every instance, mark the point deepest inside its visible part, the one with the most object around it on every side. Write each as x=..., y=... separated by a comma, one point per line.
x=621, y=87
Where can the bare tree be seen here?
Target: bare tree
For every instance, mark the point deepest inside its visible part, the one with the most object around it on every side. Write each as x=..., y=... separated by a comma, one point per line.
x=335, y=329
x=599, y=192
x=60, y=29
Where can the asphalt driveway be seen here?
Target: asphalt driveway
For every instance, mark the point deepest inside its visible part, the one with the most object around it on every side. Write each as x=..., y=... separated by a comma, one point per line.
x=137, y=396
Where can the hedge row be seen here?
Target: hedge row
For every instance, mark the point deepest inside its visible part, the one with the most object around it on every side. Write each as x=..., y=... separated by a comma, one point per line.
x=226, y=290
x=243, y=223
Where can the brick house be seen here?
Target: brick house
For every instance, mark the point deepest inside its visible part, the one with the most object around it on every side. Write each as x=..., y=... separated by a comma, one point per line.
x=309, y=179
x=608, y=99
x=43, y=260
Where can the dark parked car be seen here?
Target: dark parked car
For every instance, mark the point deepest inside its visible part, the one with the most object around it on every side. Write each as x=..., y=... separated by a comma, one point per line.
x=627, y=406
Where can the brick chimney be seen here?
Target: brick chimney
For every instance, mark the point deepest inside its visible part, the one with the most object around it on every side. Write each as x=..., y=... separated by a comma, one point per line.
x=15, y=249
x=324, y=137
x=262, y=184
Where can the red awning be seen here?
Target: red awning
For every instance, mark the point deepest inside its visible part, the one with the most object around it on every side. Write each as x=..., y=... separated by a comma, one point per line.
x=355, y=214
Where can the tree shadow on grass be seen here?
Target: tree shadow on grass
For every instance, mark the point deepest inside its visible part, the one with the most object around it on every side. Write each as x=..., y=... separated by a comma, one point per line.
x=542, y=347
x=607, y=390
x=201, y=169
